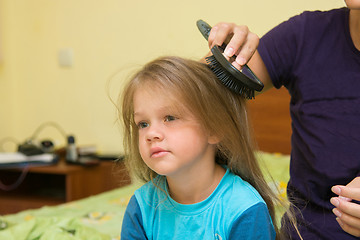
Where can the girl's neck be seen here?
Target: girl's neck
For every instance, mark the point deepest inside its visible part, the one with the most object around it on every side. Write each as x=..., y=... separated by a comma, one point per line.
x=354, y=25
x=196, y=188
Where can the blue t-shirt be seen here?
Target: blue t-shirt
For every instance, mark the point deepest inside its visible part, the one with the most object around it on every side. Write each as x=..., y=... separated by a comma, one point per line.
x=313, y=56
x=235, y=210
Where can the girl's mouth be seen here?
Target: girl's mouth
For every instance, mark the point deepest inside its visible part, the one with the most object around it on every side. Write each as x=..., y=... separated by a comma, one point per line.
x=158, y=152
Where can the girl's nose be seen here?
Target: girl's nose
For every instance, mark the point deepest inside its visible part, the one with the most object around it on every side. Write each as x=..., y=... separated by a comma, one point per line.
x=154, y=134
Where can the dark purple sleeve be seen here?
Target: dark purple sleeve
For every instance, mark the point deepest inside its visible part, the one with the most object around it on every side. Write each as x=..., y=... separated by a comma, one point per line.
x=279, y=49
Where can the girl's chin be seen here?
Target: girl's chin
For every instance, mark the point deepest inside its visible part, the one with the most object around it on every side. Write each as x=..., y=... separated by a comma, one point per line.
x=166, y=170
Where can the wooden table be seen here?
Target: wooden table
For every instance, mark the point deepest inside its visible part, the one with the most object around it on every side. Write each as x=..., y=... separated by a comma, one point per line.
x=59, y=183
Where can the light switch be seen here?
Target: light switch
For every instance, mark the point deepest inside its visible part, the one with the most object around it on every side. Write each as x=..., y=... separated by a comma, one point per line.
x=66, y=57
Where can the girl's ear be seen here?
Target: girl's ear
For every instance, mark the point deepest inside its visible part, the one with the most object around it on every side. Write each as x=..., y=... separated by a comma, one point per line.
x=213, y=139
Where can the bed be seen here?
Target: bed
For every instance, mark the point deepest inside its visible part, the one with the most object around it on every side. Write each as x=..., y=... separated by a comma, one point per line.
x=100, y=216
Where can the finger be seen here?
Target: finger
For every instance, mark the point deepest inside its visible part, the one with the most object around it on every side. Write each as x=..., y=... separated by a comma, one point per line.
x=219, y=33
x=348, y=192
x=349, y=208
x=236, y=65
x=248, y=49
x=212, y=35
x=349, y=229
x=337, y=190
x=354, y=183
x=240, y=35
x=345, y=198
x=233, y=62
x=347, y=219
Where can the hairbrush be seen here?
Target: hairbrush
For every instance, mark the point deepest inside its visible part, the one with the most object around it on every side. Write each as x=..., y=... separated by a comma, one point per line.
x=243, y=82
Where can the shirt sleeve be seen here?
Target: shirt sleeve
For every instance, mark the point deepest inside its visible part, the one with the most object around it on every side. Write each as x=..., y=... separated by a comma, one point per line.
x=254, y=223
x=132, y=226
x=279, y=49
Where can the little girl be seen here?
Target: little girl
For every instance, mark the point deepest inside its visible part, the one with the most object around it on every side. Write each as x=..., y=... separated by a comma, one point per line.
x=188, y=137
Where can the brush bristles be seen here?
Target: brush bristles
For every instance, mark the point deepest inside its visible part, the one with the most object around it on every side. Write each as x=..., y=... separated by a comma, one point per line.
x=228, y=80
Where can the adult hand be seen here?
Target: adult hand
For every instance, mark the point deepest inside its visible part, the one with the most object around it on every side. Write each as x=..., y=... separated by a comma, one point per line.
x=240, y=41
x=347, y=212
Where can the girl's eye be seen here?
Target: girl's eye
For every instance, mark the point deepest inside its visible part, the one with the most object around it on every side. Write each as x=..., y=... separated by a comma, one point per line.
x=169, y=118
x=142, y=125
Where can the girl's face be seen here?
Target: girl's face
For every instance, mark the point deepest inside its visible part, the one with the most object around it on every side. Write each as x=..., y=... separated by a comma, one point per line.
x=171, y=142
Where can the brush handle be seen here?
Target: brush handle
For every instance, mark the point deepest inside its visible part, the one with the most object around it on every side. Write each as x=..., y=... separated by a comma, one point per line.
x=205, y=29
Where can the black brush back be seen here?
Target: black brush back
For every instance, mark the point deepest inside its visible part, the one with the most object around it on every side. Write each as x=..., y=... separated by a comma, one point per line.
x=243, y=82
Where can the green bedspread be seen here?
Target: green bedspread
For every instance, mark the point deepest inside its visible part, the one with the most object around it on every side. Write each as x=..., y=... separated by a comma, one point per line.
x=100, y=217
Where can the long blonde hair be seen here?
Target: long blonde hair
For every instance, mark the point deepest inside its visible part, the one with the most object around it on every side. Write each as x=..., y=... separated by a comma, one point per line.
x=221, y=112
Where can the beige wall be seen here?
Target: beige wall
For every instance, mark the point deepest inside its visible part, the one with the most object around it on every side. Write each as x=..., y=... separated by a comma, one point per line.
x=106, y=37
